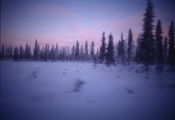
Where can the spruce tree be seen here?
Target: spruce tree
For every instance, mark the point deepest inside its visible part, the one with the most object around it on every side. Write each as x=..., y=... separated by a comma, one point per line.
x=52, y=53
x=63, y=54
x=159, y=49
x=122, y=50
x=110, y=52
x=73, y=52
x=2, y=55
x=97, y=55
x=68, y=52
x=56, y=52
x=26, y=51
x=29, y=55
x=16, y=55
x=77, y=50
x=171, y=54
x=130, y=42
x=118, y=47
x=133, y=56
x=165, y=47
x=42, y=54
x=81, y=53
x=36, y=50
x=21, y=53
x=10, y=49
x=139, y=49
x=46, y=53
x=7, y=53
x=92, y=50
x=147, y=42
x=86, y=51
x=103, y=49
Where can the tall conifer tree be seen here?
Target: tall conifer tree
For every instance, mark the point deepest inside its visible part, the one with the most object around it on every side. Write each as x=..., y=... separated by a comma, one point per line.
x=159, y=49
x=147, y=42
x=103, y=49
x=36, y=50
x=110, y=51
x=130, y=42
x=92, y=50
x=21, y=53
x=122, y=49
x=86, y=50
x=171, y=54
x=77, y=50
x=165, y=46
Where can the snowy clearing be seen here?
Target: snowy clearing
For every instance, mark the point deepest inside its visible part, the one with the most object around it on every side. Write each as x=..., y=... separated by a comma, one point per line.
x=82, y=91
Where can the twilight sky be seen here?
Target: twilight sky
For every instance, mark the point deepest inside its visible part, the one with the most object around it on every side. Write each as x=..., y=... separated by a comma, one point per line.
x=65, y=21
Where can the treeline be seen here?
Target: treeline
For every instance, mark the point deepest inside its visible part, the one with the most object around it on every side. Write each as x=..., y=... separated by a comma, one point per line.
x=150, y=49
x=76, y=53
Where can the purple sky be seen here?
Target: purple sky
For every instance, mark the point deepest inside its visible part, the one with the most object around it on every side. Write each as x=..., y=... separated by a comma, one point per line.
x=65, y=21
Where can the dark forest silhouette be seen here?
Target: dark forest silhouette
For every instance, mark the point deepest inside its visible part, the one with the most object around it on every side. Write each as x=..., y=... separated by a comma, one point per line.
x=150, y=50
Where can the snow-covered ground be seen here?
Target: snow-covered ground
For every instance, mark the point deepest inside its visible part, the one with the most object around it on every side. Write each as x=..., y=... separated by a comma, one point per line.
x=81, y=91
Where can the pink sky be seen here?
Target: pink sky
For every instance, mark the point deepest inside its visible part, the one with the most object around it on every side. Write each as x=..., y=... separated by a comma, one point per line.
x=65, y=23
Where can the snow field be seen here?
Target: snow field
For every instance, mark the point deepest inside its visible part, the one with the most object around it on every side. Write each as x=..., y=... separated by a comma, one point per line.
x=44, y=90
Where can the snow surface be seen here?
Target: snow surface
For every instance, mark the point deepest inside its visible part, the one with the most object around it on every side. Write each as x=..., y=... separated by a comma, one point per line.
x=46, y=91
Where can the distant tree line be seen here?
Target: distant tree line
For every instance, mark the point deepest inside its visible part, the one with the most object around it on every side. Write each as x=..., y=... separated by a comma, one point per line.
x=150, y=49
x=76, y=53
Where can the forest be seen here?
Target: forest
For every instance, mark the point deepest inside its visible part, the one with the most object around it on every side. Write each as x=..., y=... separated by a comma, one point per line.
x=148, y=49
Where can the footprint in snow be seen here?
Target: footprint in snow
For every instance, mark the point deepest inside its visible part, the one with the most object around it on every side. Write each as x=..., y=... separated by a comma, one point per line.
x=129, y=91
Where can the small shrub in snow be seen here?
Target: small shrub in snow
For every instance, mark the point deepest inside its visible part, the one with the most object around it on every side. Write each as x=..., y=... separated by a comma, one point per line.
x=33, y=74
x=78, y=85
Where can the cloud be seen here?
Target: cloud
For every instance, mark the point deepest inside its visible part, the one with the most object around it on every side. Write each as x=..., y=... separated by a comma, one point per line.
x=54, y=10
x=126, y=23
x=9, y=39
x=101, y=13
x=78, y=21
x=123, y=25
x=63, y=12
x=81, y=35
x=86, y=31
x=105, y=22
x=159, y=14
x=135, y=22
x=116, y=25
x=73, y=28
